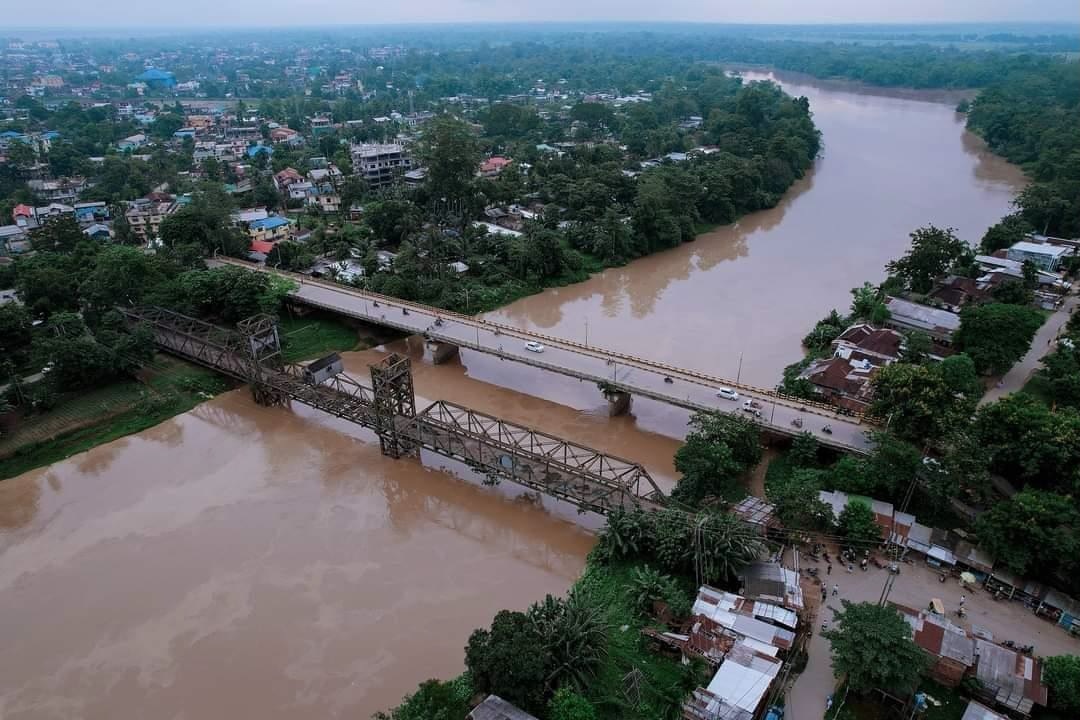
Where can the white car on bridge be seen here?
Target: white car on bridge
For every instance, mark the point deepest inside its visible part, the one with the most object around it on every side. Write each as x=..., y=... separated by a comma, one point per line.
x=535, y=347
x=727, y=393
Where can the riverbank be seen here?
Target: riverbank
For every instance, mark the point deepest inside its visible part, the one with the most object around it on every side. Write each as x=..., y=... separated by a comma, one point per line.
x=946, y=96
x=167, y=387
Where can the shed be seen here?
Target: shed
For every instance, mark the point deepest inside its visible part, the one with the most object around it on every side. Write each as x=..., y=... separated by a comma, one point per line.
x=978, y=711
x=495, y=708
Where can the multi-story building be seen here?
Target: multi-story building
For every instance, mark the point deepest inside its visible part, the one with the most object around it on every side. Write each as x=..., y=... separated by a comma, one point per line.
x=379, y=163
x=145, y=216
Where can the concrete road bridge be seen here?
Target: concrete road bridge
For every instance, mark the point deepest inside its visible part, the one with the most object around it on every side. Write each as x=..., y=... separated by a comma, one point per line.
x=495, y=448
x=620, y=376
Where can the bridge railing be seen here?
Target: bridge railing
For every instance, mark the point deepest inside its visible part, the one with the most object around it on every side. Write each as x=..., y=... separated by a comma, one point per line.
x=701, y=378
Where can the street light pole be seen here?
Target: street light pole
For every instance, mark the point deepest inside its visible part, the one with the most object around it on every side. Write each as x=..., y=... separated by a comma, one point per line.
x=586, y=331
x=738, y=375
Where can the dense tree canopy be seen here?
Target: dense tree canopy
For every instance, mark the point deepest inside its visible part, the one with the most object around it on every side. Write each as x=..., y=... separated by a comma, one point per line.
x=872, y=646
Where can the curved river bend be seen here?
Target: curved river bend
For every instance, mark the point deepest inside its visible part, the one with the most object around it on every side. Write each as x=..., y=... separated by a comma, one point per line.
x=244, y=562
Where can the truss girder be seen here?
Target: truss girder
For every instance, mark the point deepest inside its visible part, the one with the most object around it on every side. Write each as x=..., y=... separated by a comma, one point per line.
x=586, y=477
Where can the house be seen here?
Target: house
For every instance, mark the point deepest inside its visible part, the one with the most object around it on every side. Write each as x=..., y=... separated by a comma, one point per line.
x=1014, y=679
x=255, y=150
x=496, y=230
x=379, y=163
x=97, y=231
x=756, y=512
x=270, y=229
x=895, y=526
x=145, y=215
x=131, y=142
x=955, y=291
x=287, y=177
x=286, y=135
x=738, y=689
x=23, y=215
x=867, y=341
x=772, y=582
x=91, y=212
x=950, y=646
x=12, y=235
x=493, y=166
x=65, y=190
x=846, y=382
x=767, y=627
x=495, y=708
x=415, y=177
x=978, y=711
x=906, y=316
x=1044, y=255
x=154, y=78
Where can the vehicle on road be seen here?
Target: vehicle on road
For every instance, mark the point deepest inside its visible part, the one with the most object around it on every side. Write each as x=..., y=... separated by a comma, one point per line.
x=752, y=407
x=533, y=346
x=727, y=394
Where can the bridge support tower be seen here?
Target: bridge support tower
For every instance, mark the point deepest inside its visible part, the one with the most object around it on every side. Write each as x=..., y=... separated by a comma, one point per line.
x=619, y=402
x=441, y=352
x=395, y=403
x=263, y=348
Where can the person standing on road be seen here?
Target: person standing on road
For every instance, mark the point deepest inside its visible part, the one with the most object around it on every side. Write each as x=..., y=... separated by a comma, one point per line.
x=835, y=589
x=962, y=599
x=828, y=570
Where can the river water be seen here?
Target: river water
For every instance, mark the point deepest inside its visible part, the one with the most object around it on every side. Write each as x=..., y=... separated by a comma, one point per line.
x=889, y=165
x=239, y=561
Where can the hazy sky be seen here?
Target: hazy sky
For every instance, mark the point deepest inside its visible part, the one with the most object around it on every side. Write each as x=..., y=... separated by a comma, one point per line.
x=211, y=13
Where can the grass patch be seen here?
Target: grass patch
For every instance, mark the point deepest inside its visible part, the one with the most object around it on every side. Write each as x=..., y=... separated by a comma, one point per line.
x=171, y=387
x=664, y=682
x=316, y=335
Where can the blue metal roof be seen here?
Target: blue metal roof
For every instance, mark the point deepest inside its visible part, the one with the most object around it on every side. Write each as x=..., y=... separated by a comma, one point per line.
x=269, y=223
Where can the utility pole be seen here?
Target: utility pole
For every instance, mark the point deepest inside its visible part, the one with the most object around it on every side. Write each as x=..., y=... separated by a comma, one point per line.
x=738, y=375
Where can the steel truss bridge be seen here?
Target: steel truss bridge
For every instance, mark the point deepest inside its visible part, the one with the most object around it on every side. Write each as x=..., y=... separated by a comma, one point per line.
x=496, y=448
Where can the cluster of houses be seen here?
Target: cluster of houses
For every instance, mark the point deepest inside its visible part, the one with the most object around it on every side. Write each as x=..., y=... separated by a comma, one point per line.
x=744, y=638
x=858, y=354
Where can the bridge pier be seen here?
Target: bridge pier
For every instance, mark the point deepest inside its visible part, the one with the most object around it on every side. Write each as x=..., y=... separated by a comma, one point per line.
x=441, y=351
x=267, y=396
x=619, y=402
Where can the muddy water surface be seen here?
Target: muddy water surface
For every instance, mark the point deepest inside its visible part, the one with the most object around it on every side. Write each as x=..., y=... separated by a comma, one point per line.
x=242, y=562
x=889, y=165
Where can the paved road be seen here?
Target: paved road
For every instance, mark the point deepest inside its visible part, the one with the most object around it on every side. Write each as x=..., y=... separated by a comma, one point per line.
x=1042, y=345
x=639, y=377
x=914, y=588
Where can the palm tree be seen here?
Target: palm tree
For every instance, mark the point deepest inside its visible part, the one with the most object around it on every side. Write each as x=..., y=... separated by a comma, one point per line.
x=574, y=635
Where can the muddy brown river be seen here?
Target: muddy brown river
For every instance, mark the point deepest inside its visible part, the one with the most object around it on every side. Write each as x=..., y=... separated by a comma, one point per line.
x=889, y=165
x=244, y=562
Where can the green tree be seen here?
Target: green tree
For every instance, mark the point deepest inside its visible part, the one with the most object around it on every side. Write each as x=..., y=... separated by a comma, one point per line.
x=856, y=522
x=1028, y=443
x=14, y=331
x=996, y=335
x=1009, y=230
x=933, y=251
x=868, y=305
x=46, y=283
x=121, y=276
x=1061, y=673
x=924, y=401
x=1033, y=532
x=574, y=635
x=719, y=448
x=450, y=153
x=433, y=700
x=60, y=234
x=872, y=647
x=797, y=501
x=510, y=660
x=568, y=705
x=804, y=450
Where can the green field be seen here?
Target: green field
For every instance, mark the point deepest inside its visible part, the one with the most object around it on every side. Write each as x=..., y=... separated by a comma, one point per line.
x=315, y=335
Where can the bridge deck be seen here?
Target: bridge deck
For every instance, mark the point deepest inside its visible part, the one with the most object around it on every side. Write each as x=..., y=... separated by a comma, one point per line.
x=687, y=389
